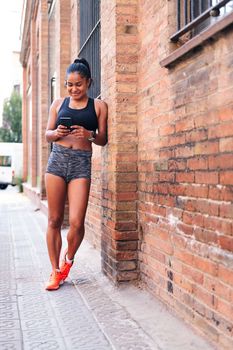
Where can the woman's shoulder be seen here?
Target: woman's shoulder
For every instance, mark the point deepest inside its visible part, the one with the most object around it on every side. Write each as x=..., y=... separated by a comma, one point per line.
x=56, y=104
x=100, y=103
x=101, y=107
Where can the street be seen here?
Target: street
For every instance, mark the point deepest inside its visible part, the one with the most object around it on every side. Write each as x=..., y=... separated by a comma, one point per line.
x=87, y=312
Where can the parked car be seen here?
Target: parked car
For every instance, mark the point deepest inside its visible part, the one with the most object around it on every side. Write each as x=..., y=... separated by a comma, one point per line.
x=10, y=163
x=7, y=173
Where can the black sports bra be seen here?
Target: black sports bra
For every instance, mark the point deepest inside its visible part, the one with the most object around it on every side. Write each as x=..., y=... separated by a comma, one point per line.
x=85, y=117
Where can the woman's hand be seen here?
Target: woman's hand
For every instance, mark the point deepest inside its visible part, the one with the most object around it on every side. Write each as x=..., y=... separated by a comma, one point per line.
x=62, y=131
x=80, y=132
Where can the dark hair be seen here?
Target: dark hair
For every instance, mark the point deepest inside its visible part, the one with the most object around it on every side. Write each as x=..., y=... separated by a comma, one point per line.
x=81, y=66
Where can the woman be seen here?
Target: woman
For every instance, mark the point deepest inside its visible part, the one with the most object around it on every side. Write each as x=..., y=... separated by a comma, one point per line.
x=68, y=173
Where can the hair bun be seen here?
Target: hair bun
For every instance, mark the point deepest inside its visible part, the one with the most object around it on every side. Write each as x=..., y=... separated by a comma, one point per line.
x=83, y=61
x=78, y=60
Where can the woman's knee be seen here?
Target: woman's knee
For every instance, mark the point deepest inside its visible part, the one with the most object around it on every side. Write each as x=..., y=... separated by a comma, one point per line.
x=76, y=225
x=55, y=222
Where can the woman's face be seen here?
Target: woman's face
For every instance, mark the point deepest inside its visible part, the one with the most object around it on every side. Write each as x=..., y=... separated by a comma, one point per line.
x=77, y=85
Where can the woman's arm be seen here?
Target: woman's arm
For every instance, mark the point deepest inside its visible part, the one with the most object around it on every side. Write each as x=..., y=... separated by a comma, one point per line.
x=102, y=114
x=52, y=133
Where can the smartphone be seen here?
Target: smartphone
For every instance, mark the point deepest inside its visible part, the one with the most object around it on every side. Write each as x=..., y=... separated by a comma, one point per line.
x=66, y=121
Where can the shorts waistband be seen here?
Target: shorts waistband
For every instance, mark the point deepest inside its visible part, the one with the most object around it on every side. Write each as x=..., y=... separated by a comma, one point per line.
x=62, y=149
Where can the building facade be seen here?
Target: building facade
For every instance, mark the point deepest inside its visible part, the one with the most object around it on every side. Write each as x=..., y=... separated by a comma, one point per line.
x=161, y=202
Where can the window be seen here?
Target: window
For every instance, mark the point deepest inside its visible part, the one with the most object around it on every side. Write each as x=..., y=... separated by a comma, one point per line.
x=193, y=16
x=90, y=40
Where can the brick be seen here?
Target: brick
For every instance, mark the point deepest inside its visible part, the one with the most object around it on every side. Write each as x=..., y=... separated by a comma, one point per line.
x=125, y=216
x=206, y=147
x=184, y=152
x=197, y=163
x=205, y=297
x=221, y=130
x=225, y=274
x=126, y=196
x=126, y=9
x=196, y=135
x=226, y=177
x=183, y=283
x=225, y=309
x=220, y=289
x=123, y=246
x=193, y=219
x=185, y=229
x=226, y=243
x=126, y=206
x=185, y=177
x=175, y=140
x=197, y=190
x=205, y=265
x=184, y=256
x=180, y=164
x=206, y=177
x=226, y=210
x=125, y=226
x=192, y=274
x=126, y=255
x=163, y=246
x=153, y=252
x=221, y=161
x=126, y=187
x=208, y=207
x=166, y=130
x=226, y=144
x=166, y=176
x=126, y=265
x=127, y=276
x=184, y=125
x=225, y=113
x=218, y=225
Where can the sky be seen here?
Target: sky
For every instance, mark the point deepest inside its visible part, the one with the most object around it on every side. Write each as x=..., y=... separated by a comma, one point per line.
x=10, y=18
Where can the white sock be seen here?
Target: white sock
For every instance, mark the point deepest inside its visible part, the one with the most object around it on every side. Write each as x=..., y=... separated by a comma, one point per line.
x=57, y=270
x=70, y=262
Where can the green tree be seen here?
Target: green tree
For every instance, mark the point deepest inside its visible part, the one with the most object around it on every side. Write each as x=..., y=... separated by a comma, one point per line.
x=11, y=130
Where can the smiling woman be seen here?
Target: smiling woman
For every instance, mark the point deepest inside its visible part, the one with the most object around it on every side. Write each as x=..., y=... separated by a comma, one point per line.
x=72, y=126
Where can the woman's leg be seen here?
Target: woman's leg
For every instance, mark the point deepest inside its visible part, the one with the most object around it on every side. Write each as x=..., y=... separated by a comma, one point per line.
x=56, y=196
x=78, y=194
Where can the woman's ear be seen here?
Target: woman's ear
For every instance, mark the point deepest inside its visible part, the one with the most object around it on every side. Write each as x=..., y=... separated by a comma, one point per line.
x=65, y=83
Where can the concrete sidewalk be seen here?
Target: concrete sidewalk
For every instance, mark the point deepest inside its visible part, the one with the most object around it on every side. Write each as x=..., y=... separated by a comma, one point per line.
x=87, y=312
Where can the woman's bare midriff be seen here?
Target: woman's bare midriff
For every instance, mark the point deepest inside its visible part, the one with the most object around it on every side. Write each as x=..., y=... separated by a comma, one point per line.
x=71, y=141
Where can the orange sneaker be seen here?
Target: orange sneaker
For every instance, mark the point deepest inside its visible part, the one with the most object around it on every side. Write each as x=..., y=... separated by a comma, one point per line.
x=55, y=281
x=65, y=266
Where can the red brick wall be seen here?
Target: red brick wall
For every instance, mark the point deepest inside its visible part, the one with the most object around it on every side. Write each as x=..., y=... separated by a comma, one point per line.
x=62, y=44
x=74, y=29
x=185, y=164
x=52, y=46
x=94, y=211
x=33, y=63
x=43, y=87
x=24, y=126
x=119, y=236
